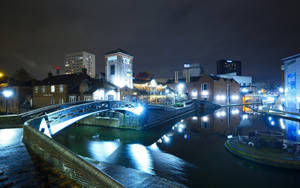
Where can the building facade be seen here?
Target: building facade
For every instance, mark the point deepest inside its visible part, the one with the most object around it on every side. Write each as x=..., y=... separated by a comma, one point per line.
x=225, y=66
x=75, y=62
x=119, y=68
x=211, y=88
x=60, y=89
x=100, y=89
x=292, y=82
x=21, y=96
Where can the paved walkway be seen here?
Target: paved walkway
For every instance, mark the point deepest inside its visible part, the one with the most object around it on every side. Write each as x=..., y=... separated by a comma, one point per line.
x=20, y=169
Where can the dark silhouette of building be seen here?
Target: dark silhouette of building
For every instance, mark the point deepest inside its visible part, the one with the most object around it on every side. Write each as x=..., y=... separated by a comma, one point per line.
x=225, y=66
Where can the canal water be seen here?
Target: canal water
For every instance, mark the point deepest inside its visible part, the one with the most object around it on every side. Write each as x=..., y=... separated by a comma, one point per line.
x=189, y=151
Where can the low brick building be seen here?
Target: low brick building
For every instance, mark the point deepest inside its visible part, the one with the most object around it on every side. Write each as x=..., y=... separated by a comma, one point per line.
x=60, y=89
x=209, y=87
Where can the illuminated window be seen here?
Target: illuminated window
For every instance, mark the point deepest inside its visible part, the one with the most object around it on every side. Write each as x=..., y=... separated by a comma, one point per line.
x=112, y=58
x=43, y=89
x=72, y=99
x=52, y=88
x=36, y=89
x=61, y=88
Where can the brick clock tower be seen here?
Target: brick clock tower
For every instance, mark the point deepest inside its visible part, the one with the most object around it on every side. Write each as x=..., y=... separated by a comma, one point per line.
x=119, y=68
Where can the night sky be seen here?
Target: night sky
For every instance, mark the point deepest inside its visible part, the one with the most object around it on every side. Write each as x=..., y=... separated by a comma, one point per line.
x=161, y=34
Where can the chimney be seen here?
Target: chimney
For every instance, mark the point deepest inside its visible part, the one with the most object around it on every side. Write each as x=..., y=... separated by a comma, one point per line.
x=49, y=74
x=176, y=77
x=187, y=75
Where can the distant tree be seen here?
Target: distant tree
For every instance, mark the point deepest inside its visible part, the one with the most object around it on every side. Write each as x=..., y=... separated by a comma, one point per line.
x=22, y=75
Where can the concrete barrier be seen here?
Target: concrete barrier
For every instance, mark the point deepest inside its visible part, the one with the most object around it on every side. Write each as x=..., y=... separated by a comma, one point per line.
x=79, y=170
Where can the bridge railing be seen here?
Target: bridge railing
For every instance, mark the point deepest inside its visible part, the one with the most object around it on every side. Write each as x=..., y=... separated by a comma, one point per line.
x=55, y=121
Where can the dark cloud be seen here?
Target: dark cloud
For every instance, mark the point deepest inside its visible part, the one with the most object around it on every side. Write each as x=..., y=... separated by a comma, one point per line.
x=162, y=35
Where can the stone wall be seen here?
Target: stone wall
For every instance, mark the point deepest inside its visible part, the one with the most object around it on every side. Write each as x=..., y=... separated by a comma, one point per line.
x=79, y=170
x=11, y=121
x=126, y=120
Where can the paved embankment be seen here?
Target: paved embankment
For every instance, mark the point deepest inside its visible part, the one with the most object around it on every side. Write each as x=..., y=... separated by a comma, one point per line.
x=18, y=168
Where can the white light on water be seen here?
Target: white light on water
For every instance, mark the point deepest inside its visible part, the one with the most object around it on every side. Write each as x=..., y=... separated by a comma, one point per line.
x=166, y=139
x=141, y=157
x=282, y=125
x=221, y=114
x=235, y=111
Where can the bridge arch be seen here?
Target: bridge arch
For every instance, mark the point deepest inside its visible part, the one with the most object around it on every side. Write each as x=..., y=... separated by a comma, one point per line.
x=55, y=121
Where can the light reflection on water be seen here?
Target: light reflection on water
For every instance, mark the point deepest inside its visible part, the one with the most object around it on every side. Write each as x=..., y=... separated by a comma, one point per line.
x=142, y=158
x=185, y=150
x=101, y=150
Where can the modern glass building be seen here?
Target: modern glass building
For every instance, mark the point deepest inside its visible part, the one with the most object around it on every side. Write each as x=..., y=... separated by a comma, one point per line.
x=292, y=82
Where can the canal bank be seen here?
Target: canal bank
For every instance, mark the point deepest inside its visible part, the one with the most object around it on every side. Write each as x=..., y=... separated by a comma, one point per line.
x=265, y=156
x=83, y=172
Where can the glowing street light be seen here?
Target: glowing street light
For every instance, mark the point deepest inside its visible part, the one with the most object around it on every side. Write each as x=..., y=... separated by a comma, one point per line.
x=194, y=93
x=281, y=90
x=7, y=94
x=1, y=74
x=180, y=87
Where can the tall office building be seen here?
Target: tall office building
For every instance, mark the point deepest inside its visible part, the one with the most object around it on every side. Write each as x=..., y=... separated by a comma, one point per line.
x=225, y=66
x=119, y=68
x=75, y=62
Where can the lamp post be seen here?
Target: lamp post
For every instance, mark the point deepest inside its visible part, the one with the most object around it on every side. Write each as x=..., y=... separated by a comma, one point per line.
x=7, y=93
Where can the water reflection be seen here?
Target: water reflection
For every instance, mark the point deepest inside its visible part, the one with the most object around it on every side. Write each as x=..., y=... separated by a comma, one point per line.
x=101, y=150
x=141, y=157
x=181, y=151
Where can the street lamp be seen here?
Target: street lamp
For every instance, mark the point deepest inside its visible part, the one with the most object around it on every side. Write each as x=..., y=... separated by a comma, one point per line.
x=1, y=74
x=281, y=90
x=7, y=93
